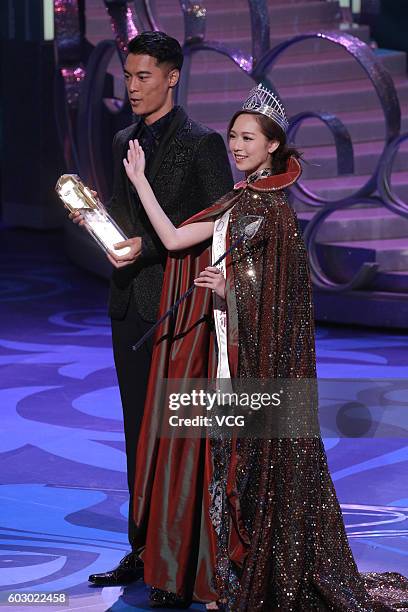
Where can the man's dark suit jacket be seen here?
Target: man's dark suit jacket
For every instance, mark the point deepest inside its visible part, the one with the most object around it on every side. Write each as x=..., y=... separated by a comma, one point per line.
x=190, y=170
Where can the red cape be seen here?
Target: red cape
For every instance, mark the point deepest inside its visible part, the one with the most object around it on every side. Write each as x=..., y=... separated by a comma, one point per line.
x=171, y=499
x=283, y=538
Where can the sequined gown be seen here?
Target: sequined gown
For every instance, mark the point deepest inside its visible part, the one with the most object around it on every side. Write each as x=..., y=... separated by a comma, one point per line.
x=297, y=555
x=279, y=541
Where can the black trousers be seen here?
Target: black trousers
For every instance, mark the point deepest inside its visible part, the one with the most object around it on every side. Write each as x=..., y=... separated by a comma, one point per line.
x=132, y=369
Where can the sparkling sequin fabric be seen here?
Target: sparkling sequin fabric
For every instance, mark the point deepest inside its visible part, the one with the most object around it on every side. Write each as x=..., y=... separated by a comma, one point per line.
x=252, y=522
x=281, y=541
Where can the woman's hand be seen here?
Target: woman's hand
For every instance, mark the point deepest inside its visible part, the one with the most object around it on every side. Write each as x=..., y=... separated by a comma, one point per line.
x=135, y=162
x=212, y=278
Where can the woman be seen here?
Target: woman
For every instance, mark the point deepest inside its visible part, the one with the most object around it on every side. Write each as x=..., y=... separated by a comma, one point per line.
x=251, y=523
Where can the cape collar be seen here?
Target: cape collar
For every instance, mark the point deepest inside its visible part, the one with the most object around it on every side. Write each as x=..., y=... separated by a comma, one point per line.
x=276, y=181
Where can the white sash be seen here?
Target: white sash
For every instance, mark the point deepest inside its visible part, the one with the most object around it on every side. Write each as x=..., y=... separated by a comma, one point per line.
x=220, y=309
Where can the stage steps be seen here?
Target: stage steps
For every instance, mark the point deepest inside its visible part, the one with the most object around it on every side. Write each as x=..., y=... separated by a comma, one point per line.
x=313, y=75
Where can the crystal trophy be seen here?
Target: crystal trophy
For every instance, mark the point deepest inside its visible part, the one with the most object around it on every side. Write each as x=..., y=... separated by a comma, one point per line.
x=78, y=197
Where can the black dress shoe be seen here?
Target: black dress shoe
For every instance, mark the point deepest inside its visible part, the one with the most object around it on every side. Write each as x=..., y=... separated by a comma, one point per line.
x=130, y=569
x=165, y=599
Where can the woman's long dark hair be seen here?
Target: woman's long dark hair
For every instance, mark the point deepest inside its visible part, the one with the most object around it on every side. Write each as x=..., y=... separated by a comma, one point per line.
x=271, y=131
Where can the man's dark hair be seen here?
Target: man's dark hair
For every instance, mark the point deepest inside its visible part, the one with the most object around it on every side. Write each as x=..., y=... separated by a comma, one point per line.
x=159, y=45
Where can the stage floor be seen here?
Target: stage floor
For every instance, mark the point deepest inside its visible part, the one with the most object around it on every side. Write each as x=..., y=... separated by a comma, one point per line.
x=63, y=501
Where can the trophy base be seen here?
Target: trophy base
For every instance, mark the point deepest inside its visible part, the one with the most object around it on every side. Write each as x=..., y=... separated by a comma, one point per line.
x=105, y=231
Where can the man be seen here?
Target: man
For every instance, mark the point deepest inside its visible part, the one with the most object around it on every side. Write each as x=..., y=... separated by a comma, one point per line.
x=188, y=168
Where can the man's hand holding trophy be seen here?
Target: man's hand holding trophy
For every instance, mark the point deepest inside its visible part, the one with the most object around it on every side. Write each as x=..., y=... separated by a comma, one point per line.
x=86, y=210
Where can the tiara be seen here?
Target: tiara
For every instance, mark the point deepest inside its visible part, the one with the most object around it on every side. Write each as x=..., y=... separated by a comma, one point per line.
x=263, y=100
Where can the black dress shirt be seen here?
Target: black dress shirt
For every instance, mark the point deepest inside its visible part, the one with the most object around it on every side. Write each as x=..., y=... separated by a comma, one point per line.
x=150, y=135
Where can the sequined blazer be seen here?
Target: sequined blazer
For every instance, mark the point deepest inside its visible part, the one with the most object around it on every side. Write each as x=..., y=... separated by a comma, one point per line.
x=190, y=171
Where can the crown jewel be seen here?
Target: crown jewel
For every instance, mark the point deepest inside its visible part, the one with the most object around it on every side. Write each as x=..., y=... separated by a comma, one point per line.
x=263, y=100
